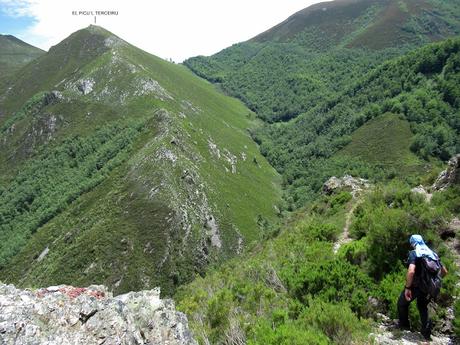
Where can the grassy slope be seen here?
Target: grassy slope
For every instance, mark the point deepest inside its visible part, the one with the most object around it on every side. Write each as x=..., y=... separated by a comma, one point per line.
x=385, y=141
x=119, y=233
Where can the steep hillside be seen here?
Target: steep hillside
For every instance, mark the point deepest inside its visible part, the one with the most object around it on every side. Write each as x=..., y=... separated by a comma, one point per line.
x=15, y=53
x=123, y=169
x=317, y=52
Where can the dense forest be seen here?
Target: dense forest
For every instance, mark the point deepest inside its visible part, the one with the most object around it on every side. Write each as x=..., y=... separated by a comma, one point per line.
x=421, y=88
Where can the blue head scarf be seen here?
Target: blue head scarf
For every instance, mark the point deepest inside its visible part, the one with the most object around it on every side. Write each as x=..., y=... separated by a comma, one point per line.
x=421, y=249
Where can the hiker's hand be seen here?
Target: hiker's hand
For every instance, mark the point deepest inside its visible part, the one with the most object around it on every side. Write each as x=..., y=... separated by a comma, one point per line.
x=408, y=294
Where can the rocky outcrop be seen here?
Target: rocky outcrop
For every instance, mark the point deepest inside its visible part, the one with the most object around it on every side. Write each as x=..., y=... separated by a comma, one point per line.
x=69, y=315
x=354, y=185
x=449, y=176
x=388, y=334
x=420, y=190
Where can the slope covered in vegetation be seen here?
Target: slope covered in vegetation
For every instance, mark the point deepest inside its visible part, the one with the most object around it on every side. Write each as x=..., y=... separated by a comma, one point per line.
x=420, y=88
x=123, y=169
x=317, y=52
x=292, y=289
x=327, y=70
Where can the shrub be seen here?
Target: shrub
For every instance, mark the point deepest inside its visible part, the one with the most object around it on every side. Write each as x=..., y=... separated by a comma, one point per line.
x=337, y=321
x=387, y=219
x=389, y=290
x=340, y=199
x=289, y=333
x=315, y=230
x=333, y=281
x=355, y=252
x=457, y=318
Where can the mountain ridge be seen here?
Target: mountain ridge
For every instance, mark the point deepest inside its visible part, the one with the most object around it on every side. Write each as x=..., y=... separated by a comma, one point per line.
x=14, y=54
x=155, y=175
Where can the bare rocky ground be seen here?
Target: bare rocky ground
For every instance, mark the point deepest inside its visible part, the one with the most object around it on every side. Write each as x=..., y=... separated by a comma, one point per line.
x=65, y=315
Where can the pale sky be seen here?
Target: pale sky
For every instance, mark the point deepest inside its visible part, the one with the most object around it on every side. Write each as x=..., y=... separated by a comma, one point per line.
x=175, y=29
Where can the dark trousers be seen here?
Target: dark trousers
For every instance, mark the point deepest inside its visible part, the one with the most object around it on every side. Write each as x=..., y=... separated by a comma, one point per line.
x=422, y=306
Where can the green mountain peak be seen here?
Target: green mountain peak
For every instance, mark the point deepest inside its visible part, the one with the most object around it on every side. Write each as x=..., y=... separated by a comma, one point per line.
x=150, y=173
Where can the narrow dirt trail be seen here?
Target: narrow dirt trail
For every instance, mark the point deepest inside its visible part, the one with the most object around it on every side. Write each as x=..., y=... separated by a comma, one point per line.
x=387, y=334
x=344, y=237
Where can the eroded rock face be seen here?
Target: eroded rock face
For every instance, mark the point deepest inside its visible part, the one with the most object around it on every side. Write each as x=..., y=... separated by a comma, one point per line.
x=449, y=176
x=69, y=315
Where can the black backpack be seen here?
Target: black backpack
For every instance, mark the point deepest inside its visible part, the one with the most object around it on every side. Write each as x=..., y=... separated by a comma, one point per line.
x=430, y=276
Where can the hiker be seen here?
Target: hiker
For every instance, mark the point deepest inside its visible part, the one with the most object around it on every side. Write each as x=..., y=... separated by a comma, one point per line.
x=423, y=282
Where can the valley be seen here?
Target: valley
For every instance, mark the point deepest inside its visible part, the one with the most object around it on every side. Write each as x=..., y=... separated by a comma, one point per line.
x=269, y=189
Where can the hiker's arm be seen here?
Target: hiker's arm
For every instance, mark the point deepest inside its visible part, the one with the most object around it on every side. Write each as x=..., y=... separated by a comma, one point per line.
x=409, y=281
x=443, y=271
x=410, y=275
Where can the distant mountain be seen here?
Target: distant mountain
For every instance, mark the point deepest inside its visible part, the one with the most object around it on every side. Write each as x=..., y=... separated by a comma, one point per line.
x=373, y=24
x=302, y=78
x=121, y=168
x=318, y=51
x=15, y=53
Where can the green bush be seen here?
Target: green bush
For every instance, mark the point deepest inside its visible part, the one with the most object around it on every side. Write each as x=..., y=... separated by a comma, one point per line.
x=340, y=199
x=389, y=289
x=218, y=309
x=331, y=281
x=315, y=230
x=337, y=321
x=290, y=333
x=448, y=199
x=387, y=219
x=355, y=252
x=457, y=318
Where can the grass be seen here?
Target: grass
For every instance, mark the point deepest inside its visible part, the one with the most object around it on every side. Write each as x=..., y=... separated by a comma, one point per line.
x=385, y=141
